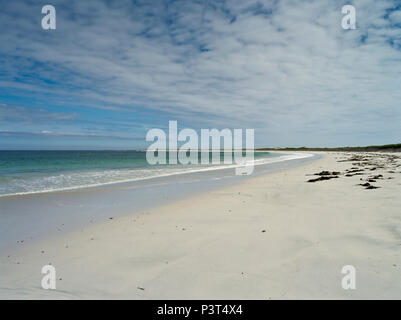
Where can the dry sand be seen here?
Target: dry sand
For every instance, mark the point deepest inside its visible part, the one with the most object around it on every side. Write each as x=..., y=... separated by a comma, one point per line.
x=271, y=237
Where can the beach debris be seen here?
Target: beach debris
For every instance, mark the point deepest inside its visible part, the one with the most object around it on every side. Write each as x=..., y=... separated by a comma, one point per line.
x=322, y=178
x=327, y=173
x=362, y=163
x=355, y=158
x=263, y=231
x=367, y=184
x=372, y=187
x=111, y=218
x=354, y=171
x=140, y=288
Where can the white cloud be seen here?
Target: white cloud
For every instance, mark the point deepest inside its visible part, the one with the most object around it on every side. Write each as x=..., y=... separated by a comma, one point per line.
x=395, y=17
x=286, y=68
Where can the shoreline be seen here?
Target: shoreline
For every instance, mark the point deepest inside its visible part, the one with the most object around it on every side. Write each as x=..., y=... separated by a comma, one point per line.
x=93, y=187
x=272, y=236
x=27, y=218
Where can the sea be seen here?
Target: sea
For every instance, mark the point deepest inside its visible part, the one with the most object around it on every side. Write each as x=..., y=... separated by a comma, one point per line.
x=28, y=172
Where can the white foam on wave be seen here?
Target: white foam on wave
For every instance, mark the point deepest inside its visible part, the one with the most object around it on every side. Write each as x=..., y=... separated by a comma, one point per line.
x=82, y=180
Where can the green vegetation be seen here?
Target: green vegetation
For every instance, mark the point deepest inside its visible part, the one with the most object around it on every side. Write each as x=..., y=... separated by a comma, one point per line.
x=387, y=147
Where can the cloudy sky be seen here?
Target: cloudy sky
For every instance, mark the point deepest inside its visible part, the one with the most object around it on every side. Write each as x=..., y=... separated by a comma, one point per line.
x=114, y=69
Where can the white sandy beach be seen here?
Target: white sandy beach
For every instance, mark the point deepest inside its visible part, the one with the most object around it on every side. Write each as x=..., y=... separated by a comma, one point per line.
x=271, y=237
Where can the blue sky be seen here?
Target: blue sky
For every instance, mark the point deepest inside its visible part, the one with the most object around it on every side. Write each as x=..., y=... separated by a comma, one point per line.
x=114, y=69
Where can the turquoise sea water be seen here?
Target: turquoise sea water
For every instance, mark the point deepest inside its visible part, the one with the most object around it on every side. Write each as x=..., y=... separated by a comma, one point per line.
x=24, y=172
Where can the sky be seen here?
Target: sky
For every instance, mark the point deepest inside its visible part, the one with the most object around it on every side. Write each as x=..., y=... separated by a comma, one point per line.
x=112, y=70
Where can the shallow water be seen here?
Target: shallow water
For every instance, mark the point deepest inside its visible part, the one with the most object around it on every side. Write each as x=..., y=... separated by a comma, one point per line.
x=37, y=216
x=27, y=172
